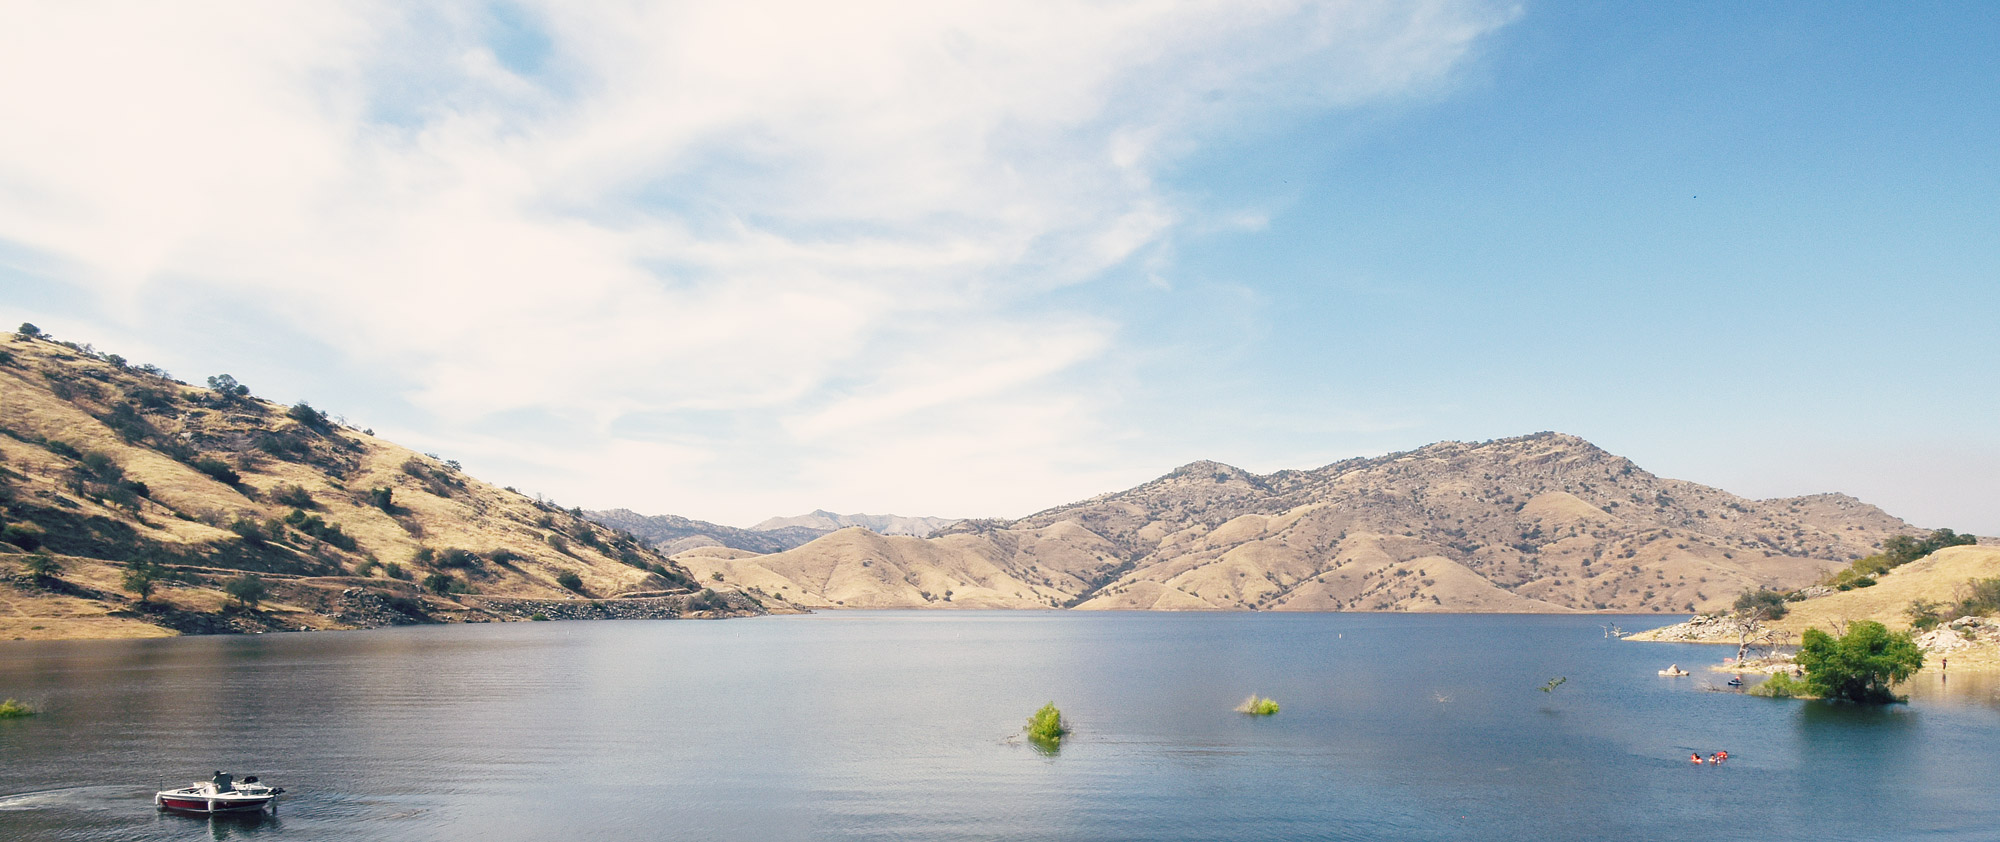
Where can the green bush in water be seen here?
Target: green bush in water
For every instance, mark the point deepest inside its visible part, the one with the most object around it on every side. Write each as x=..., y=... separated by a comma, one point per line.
x=1258, y=706
x=1047, y=725
x=11, y=709
x=539, y=617
x=1784, y=686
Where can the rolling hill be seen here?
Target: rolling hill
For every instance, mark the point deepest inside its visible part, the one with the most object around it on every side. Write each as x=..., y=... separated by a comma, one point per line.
x=1539, y=523
x=107, y=468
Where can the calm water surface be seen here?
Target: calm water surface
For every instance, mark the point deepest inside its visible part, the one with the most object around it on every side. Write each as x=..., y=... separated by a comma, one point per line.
x=904, y=726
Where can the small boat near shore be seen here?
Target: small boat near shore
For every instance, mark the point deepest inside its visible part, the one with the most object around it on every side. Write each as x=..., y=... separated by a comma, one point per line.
x=220, y=794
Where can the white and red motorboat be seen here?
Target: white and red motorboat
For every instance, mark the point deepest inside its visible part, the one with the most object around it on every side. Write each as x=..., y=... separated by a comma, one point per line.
x=220, y=794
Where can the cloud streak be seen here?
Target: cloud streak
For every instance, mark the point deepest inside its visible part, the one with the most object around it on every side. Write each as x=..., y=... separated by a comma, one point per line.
x=840, y=225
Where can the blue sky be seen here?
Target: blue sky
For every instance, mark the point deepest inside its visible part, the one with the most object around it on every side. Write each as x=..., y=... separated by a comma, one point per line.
x=977, y=259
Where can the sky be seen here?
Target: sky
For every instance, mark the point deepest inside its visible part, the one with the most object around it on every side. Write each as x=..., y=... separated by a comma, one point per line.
x=962, y=259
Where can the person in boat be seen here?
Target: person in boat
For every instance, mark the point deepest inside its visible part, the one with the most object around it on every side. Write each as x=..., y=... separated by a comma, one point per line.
x=223, y=781
x=1721, y=755
x=1695, y=758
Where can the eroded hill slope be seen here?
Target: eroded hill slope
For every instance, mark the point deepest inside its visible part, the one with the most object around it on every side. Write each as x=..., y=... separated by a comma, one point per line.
x=1540, y=523
x=105, y=468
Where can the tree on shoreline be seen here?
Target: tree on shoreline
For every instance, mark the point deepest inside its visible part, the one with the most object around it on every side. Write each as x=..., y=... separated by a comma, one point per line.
x=1861, y=665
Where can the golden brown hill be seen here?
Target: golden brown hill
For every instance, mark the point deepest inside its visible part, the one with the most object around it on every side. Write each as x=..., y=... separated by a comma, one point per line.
x=105, y=468
x=1940, y=577
x=1540, y=523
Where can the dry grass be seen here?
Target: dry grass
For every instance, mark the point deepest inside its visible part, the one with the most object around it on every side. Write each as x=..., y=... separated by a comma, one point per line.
x=1938, y=577
x=186, y=511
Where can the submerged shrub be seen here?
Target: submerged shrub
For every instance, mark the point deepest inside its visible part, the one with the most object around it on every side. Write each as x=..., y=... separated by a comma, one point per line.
x=1258, y=706
x=13, y=709
x=1783, y=686
x=1047, y=725
x=539, y=617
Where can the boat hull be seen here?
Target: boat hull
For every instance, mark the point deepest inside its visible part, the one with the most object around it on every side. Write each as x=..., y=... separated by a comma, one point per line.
x=212, y=804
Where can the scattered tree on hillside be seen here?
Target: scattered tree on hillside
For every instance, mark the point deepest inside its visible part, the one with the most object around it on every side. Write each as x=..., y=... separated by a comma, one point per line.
x=141, y=576
x=228, y=388
x=247, y=590
x=1861, y=665
x=27, y=330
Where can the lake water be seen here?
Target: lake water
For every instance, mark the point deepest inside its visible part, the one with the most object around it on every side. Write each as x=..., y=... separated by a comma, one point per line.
x=905, y=726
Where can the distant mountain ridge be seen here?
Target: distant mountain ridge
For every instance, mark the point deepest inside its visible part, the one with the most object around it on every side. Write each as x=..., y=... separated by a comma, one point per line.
x=675, y=534
x=1538, y=523
x=821, y=519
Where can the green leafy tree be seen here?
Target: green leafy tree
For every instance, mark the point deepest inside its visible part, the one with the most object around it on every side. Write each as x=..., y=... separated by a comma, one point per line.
x=27, y=330
x=247, y=590
x=1861, y=665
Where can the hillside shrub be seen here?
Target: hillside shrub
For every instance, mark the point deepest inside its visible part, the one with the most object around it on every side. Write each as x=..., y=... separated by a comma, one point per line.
x=42, y=565
x=504, y=556
x=248, y=530
x=303, y=413
x=125, y=420
x=394, y=571
x=287, y=447
x=295, y=496
x=1982, y=597
x=570, y=581
x=456, y=559
x=313, y=525
x=1925, y=614
x=216, y=469
x=27, y=536
x=384, y=499
x=441, y=583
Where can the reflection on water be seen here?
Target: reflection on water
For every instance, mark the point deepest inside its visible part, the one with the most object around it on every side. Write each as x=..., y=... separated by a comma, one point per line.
x=889, y=725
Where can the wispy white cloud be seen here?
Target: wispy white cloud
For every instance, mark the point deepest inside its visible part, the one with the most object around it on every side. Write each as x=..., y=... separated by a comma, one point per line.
x=841, y=218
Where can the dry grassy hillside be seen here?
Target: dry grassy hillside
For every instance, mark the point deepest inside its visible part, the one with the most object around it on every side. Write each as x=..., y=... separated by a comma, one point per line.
x=1539, y=523
x=1940, y=577
x=106, y=468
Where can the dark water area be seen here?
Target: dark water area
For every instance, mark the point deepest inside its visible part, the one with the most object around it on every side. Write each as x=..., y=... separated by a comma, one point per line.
x=905, y=726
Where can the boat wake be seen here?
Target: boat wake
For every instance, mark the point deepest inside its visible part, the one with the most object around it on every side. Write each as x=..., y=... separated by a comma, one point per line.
x=71, y=798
